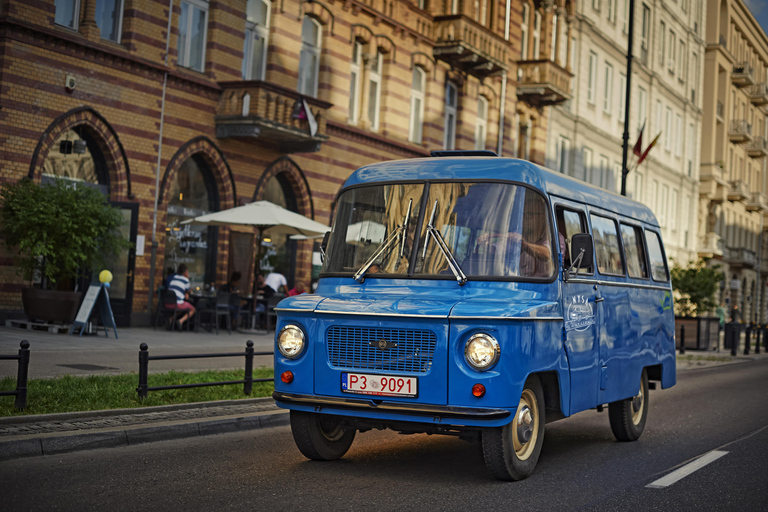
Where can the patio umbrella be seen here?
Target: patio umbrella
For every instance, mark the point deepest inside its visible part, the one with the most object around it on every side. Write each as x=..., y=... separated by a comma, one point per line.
x=264, y=216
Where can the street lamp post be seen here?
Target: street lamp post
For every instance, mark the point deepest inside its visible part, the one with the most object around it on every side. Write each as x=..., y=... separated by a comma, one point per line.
x=625, y=148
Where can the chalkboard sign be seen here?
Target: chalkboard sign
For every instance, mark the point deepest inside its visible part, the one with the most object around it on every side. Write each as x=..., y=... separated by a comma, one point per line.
x=95, y=296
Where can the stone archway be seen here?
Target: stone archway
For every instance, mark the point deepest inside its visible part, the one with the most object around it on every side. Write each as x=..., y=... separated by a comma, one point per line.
x=101, y=138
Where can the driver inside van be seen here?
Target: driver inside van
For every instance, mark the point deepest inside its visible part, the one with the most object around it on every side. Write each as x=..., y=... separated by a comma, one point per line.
x=534, y=242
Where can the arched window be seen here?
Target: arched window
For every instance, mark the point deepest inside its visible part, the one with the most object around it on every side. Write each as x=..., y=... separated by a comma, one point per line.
x=257, y=15
x=482, y=122
x=309, y=62
x=451, y=103
x=536, y=35
x=524, y=32
x=417, y=105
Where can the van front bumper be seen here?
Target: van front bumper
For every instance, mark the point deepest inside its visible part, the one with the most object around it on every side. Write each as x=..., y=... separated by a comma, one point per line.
x=434, y=413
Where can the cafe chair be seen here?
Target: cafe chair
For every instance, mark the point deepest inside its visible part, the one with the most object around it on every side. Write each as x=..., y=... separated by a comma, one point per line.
x=167, y=308
x=217, y=308
x=237, y=303
x=271, y=313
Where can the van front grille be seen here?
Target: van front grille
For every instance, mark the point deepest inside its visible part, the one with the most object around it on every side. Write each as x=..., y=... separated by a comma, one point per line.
x=405, y=350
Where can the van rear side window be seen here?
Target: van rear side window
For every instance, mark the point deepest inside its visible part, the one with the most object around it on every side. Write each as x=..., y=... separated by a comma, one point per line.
x=634, y=251
x=607, y=250
x=658, y=265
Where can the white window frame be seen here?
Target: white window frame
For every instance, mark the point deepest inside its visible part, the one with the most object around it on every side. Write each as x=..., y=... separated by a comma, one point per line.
x=668, y=134
x=586, y=159
x=553, y=41
x=562, y=149
x=671, y=49
x=355, y=82
x=625, y=17
x=254, y=30
x=678, y=135
x=622, y=96
x=662, y=42
x=638, y=192
x=592, y=78
x=524, y=31
x=662, y=202
x=185, y=52
x=75, y=15
x=644, y=27
x=659, y=116
x=309, y=78
x=642, y=98
x=673, y=214
x=481, y=123
x=681, y=61
x=536, y=35
x=596, y=5
x=612, y=6
x=691, y=149
x=374, y=103
x=418, y=92
x=454, y=6
x=608, y=97
x=605, y=168
x=451, y=112
x=119, y=8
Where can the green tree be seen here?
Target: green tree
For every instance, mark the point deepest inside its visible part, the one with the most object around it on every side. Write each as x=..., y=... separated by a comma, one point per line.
x=59, y=229
x=695, y=287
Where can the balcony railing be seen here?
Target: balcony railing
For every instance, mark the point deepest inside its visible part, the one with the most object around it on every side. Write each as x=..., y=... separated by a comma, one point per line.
x=757, y=203
x=740, y=257
x=711, y=245
x=469, y=47
x=542, y=82
x=759, y=94
x=272, y=114
x=740, y=131
x=758, y=148
x=743, y=75
x=739, y=191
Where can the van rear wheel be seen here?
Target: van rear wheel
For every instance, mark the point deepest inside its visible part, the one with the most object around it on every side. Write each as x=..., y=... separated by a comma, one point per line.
x=320, y=436
x=628, y=416
x=512, y=451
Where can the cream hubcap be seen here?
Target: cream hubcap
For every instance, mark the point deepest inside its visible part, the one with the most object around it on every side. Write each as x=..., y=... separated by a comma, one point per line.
x=525, y=427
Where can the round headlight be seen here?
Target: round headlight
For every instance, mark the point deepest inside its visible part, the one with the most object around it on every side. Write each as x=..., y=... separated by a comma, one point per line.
x=290, y=342
x=482, y=351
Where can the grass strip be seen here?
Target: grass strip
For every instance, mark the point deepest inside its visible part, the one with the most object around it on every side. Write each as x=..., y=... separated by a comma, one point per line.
x=97, y=392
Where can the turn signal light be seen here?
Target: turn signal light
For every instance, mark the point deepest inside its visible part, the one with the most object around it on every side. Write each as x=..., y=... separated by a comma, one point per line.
x=478, y=390
x=287, y=377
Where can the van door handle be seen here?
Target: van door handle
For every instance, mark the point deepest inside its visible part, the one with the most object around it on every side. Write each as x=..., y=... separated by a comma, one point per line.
x=600, y=299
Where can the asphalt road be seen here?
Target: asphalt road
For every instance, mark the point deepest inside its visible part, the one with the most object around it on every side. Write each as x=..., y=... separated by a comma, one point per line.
x=581, y=467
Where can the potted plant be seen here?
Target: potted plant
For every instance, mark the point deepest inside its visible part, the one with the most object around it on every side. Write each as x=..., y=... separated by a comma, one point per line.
x=58, y=232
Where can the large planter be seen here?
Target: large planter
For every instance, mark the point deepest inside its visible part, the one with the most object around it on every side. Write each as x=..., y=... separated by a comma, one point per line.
x=701, y=333
x=50, y=306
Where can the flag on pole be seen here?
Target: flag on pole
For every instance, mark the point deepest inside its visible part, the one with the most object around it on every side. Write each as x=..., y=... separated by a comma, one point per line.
x=648, y=149
x=638, y=148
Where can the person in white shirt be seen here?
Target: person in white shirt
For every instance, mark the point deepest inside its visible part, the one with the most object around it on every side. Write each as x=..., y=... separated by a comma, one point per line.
x=276, y=281
x=179, y=284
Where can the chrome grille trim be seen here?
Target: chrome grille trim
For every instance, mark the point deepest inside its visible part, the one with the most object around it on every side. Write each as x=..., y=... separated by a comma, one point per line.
x=355, y=348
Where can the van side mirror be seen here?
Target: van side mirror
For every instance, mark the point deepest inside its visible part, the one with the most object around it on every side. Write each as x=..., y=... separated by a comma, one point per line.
x=324, y=243
x=581, y=252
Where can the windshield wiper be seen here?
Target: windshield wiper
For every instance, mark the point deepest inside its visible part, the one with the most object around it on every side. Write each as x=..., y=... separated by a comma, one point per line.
x=401, y=229
x=461, y=278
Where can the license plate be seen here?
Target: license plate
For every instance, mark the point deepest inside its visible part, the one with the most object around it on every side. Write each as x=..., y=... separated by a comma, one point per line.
x=379, y=385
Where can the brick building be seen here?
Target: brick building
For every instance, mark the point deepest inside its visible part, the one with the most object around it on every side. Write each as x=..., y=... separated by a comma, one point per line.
x=176, y=108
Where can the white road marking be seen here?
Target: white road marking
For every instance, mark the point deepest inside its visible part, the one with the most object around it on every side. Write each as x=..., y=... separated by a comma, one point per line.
x=686, y=470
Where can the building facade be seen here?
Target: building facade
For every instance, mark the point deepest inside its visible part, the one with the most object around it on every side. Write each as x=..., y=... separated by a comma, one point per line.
x=586, y=134
x=733, y=200
x=176, y=108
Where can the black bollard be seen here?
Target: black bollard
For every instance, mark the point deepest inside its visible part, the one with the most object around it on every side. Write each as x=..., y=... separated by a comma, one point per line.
x=747, y=339
x=682, y=339
x=248, y=386
x=734, y=337
x=143, y=370
x=21, y=377
x=757, y=345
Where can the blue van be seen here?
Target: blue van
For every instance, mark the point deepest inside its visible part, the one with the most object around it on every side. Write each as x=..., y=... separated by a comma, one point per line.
x=480, y=297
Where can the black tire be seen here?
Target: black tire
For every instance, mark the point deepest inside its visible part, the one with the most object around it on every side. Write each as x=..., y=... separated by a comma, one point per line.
x=506, y=455
x=628, y=416
x=320, y=436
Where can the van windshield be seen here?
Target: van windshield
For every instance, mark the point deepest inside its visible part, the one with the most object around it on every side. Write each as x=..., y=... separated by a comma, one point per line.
x=489, y=229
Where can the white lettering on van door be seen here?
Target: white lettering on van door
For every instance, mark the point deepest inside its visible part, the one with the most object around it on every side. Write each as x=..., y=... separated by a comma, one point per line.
x=580, y=315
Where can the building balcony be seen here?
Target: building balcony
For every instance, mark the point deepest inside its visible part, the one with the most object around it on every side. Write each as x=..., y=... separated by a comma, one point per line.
x=542, y=82
x=743, y=75
x=740, y=131
x=757, y=202
x=714, y=186
x=271, y=114
x=740, y=257
x=469, y=47
x=739, y=191
x=759, y=94
x=711, y=245
x=758, y=148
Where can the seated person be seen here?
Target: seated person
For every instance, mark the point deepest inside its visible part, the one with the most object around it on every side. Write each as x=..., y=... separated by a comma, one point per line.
x=298, y=289
x=233, y=286
x=179, y=284
x=262, y=289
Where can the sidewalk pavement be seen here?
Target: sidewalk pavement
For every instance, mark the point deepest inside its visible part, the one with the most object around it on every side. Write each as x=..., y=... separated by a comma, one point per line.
x=52, y=355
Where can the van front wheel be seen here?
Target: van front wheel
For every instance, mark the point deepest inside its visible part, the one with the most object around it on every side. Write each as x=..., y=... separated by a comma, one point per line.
x=628, y=416
x=320, y=436
x=512, y=451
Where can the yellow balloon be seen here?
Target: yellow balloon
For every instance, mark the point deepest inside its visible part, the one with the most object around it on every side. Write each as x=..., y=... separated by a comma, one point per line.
x=105, y=276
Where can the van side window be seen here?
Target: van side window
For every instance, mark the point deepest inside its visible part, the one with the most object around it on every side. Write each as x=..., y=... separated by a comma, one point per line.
x=569, y=223
x=634, y=251
x=658, y=263
x=607, y=250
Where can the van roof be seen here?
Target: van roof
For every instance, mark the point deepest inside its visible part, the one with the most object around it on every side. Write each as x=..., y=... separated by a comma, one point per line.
x=506, y=169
